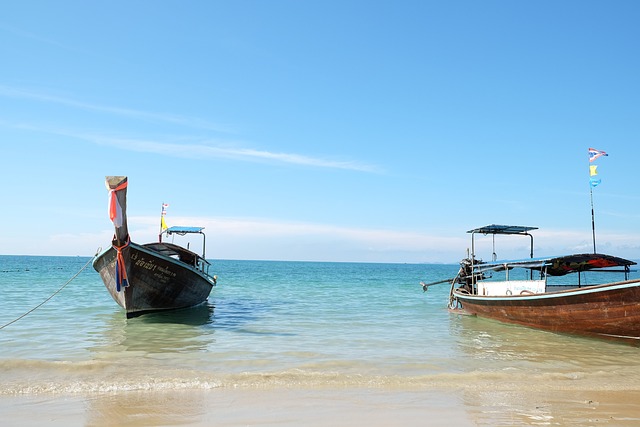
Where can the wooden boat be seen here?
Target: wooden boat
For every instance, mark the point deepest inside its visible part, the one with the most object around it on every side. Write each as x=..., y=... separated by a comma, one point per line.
x=536, y=292
x=144, y=278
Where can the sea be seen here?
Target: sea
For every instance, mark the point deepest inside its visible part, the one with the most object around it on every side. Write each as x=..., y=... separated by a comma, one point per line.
x=293, y=344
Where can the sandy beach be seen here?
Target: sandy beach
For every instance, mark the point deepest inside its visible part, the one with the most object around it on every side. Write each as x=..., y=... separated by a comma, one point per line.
x=327, y=407
x=237, y=408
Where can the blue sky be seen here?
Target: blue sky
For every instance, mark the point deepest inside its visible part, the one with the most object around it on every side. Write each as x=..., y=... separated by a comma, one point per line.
x=321, y=130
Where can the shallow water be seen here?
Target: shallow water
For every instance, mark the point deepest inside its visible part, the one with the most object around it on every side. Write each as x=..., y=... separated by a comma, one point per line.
x=302, y=329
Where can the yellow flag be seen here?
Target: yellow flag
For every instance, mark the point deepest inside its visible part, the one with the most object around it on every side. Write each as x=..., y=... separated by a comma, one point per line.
x=592, y=170
x=163, y=224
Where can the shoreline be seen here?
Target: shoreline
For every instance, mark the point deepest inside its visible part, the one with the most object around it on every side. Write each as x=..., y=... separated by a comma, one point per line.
x=325, y=406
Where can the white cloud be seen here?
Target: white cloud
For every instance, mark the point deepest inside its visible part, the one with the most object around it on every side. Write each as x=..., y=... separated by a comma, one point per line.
x=266, y=239
x=258, y=238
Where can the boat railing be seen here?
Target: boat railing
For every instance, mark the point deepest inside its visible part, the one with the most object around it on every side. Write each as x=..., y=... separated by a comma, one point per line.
x=203, y=265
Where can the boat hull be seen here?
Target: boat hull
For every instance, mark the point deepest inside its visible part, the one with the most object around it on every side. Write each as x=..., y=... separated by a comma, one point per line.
x=607, y=311
x=156, y=282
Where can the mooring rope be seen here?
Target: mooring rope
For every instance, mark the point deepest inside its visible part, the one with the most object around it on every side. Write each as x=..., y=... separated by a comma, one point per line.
x=55, y=293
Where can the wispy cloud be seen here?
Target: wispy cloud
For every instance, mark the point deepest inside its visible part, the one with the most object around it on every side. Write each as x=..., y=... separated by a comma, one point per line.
x=35, y=37
x=123, y=112
x=207, y=150
x=198, y=149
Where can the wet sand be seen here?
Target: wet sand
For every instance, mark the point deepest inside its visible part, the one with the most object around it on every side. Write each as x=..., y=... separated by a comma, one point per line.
x=326, y=407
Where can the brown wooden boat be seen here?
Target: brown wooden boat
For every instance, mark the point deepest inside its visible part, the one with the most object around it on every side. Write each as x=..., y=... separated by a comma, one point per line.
x=538, y=292
x=144, y=278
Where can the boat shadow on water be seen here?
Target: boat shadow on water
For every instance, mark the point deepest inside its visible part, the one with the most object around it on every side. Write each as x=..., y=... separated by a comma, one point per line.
x=174, y=331
x=192, y=329
x=247, y=316
x=200, y=315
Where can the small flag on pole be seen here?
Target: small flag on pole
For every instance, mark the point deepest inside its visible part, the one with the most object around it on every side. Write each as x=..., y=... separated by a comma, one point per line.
x=163, y=224
x=594, y=154
x=593, y=169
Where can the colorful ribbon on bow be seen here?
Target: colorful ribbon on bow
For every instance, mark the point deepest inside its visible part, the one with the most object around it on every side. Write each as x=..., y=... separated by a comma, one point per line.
x=115, y=210
x=122, y=281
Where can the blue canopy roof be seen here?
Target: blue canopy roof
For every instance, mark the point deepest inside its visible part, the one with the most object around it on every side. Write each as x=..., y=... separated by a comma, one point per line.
x=184, y=230
x=502, y=229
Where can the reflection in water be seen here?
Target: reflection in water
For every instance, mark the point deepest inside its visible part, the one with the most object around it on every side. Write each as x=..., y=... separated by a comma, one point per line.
x=492, y=341
x=518, y=376
x=177, y=331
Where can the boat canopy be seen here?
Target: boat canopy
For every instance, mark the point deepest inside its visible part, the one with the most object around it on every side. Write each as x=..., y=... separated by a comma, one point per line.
x=183, y=230
x=494, y=229
x=502, y=229
x=560, y=265
x=169, y=249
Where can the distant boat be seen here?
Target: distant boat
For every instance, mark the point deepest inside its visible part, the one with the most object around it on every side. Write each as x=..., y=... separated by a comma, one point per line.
x=145, y=278
x=526, y=294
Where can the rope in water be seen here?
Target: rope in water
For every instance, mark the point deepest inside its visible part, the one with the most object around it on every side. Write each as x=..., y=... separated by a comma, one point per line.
x=55, y=293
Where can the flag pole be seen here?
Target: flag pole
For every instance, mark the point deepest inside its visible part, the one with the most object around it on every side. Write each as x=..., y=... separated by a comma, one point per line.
x=163, y=225
x=593, y=154
x=161, y=214
x=593, y=221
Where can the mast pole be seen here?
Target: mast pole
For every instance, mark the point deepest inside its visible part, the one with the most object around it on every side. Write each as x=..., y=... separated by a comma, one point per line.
x=593, y=154
x=593, y=221
x=161, y=218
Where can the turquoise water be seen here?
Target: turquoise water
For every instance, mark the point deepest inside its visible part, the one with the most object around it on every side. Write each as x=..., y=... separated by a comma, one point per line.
x=308, y=322
x=274, y=325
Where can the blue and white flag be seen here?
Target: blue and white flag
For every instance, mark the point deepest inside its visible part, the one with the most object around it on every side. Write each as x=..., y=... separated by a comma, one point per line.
x=594, y=154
